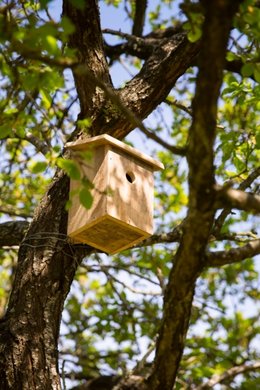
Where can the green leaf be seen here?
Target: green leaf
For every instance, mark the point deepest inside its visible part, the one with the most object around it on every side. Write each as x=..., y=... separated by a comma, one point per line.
x=67, y=25
x=68, y=204
x=51, y=44
x=70, y=167
x=38, y=167
x=85, y=197
x=257, y=137
x=247, y=70
x=86, y=155
x=4, y=131
x=231, y=56
x=195, y=34
x=44, y=3
x=257, y=72
x=84, y=124
x=46, y=99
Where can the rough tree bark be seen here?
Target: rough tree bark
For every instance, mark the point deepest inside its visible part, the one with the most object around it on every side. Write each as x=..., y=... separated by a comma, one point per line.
x=190, y=258
x=47, y=262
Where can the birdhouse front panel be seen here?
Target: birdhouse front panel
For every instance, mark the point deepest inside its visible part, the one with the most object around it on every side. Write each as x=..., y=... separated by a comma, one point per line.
x=130, y=186
x=122, y=211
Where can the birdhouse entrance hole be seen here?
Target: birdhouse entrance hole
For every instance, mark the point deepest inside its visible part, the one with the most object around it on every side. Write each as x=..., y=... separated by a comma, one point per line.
x=130, y=177
x=121, y=214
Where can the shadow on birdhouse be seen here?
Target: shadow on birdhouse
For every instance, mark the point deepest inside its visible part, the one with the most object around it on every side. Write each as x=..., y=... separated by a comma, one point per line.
x=121, y=214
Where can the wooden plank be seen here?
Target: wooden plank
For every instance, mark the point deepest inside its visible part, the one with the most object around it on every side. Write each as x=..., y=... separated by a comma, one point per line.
x=122, y=211
x=131, y=192
x=95, y=170
x=106, y=139
x=109, y=235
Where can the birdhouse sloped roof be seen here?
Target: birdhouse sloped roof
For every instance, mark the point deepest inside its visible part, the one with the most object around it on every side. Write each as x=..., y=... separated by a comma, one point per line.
x=105, y=139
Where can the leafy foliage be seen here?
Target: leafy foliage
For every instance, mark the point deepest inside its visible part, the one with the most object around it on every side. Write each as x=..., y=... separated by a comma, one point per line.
x=113, y=311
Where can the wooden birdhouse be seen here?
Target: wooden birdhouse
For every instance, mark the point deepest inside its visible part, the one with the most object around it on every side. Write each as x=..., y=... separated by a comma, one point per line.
x=121, y=214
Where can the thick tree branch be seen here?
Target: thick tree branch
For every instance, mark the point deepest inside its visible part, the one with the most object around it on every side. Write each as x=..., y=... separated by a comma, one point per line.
x=47, y=264
x=138, y=98
x=243, y=186
x=229, y=374
x=188, y=260
x=151, y=86
x=109, y=92
x=12, y=232
x=139, y=18
x=173, y=236
x=136, y=46
x=143, y=93
x=176, y=234
x=232, y=198
x=87, y=41
x=234, y=255
x=46, y=261
x=141, y=47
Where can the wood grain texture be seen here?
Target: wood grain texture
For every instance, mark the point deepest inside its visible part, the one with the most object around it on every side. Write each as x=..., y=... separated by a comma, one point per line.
x=122, y=211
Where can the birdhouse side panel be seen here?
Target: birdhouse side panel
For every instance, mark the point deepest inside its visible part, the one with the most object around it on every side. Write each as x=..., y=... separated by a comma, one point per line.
x=95, y=170
x=131, y=187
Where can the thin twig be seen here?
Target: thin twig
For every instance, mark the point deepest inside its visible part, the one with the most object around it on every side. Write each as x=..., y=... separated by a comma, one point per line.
x=229, y=374
x=109, y=92
x=234, y=255
x=243, y=186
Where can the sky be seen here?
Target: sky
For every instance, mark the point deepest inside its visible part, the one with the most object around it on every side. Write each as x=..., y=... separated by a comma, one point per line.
x=113, y=18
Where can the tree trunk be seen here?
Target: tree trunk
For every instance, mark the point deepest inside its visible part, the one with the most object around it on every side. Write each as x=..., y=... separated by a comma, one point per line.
x=46, y=266
x=47, y=262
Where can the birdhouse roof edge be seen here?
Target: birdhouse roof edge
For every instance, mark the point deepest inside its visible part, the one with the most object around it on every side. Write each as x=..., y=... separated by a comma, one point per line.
x=106, y=139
